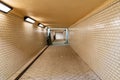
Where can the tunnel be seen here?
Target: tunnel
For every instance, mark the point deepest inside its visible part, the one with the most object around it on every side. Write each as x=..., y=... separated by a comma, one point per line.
x=59, y=39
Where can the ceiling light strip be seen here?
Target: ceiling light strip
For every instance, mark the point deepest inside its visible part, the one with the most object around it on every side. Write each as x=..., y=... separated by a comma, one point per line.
x=41, y=25
x=5, y=8
x=28, y=19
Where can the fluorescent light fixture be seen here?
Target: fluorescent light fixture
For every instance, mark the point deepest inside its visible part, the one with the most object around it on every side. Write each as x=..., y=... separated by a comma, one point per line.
x=28, y=19
x=41, y=25
x=46, y=27
x=4, y=7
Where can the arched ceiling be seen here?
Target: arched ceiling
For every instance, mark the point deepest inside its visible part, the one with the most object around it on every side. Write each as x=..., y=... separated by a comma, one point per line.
x=54, y=13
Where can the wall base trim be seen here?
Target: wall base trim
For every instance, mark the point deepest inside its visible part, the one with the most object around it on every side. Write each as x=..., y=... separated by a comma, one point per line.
x=20, y=72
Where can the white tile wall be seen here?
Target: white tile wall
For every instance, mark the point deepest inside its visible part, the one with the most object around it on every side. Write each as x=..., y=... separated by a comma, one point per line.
x=19, y=41
x=97, y=41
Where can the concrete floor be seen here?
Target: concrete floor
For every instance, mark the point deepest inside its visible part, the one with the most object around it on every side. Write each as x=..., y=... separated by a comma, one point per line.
x=59, y=42
x=59, y=63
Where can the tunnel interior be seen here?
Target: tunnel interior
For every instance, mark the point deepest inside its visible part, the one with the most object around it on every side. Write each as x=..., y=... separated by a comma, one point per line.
x=60, y=40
